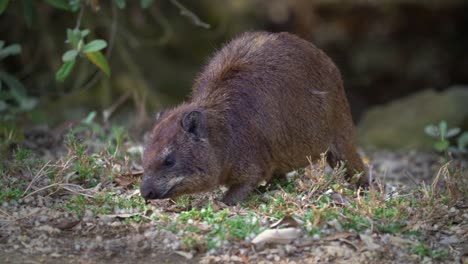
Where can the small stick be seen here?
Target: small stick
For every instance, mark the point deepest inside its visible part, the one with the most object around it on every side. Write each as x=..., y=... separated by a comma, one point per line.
x=36, y=177
x=184, y=11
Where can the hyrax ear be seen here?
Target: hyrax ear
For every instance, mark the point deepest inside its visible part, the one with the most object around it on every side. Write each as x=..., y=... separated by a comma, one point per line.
x=194, y=123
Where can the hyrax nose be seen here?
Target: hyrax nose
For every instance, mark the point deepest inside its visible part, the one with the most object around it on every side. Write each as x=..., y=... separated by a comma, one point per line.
x=147, y=191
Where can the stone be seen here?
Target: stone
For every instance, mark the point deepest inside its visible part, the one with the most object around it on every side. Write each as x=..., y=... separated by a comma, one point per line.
x=400, y=124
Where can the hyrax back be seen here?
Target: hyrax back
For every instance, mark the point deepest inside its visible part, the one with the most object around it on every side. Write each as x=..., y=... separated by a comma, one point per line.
x=262, y=105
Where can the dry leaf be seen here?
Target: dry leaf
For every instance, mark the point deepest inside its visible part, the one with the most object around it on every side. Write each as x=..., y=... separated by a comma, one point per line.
x=175, y=209
x=337, y=236
x=369, y=241
x=400, y=241
x=339, y=199
x=235, y=259
x=245, y=259
x=66, y=225
x=48, y=229
x=135, y=193
x=187, y=255
x=287, y=221
x=280, y=236
x=117, y=216
x=124, y=181
x=149, y=212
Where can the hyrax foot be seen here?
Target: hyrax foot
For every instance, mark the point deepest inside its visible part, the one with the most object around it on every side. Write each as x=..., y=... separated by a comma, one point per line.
x=236, y=194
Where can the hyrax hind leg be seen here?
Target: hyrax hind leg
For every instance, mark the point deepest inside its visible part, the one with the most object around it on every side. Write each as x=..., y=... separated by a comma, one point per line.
x=344, y=150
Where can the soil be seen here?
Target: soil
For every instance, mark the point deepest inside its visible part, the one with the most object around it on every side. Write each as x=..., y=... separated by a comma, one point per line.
x=35, y=230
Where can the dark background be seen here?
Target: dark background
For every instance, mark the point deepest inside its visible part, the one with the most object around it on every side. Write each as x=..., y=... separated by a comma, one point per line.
x=385, y=50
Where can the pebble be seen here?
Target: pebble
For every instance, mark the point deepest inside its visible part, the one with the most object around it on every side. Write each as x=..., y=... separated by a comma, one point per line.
x=40, y=202
x=88, y=213
x=43, y=218
x=106, y=218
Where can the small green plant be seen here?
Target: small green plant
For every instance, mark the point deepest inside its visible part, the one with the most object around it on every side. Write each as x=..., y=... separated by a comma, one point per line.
x=442, y=134
x=283, y=184
x=21, y=154
x=241, y=227
x=223, y=225
x=89, y=124
x=88, y=167
x=106, y=203
x=206, y=214
x=9, y=194
x=425, y=251
x=184, y=200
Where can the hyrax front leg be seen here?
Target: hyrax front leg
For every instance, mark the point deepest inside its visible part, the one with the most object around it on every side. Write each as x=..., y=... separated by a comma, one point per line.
x=247, y=180
x=237, y=193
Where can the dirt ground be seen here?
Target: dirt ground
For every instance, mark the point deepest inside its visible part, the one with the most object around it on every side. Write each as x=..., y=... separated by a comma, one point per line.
x=37, y=229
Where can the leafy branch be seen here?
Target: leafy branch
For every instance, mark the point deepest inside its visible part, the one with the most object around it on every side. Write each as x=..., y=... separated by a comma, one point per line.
x=92, y=50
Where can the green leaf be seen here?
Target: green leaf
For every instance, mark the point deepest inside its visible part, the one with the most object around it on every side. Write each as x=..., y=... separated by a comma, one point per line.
x=18, y=92
x=75, y=5
x=69, y=55
x=89, y=119
x=6, y=95
x=120, y=3
x=65, y=70
x=2, y=43
x=80, y=44
x=71, y=37
x=13, y=49
x=28, y=103
x=442, y=145
x=17, y=89
x=99, y=60
x=84, y=33
x=463, y=141
x=74, y=37
x=60, y=4
x=452, y=132
x=95, y=45
x=431, y=130
x=3, y=105
x=146, y=3
x=3, y=5
x=443, y=129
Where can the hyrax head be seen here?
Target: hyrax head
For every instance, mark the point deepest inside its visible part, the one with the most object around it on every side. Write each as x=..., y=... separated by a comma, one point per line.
x=179, y=158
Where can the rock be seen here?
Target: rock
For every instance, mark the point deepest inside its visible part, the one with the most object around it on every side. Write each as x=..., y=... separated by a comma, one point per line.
x=400, y=124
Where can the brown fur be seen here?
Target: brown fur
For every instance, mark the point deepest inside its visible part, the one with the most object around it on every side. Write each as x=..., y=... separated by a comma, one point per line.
x=262, y=105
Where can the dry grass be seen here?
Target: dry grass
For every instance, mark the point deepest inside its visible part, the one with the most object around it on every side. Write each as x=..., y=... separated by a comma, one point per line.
x=316, y=201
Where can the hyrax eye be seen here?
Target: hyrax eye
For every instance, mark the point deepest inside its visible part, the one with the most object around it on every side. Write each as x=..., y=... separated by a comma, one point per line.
x=169, y=161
